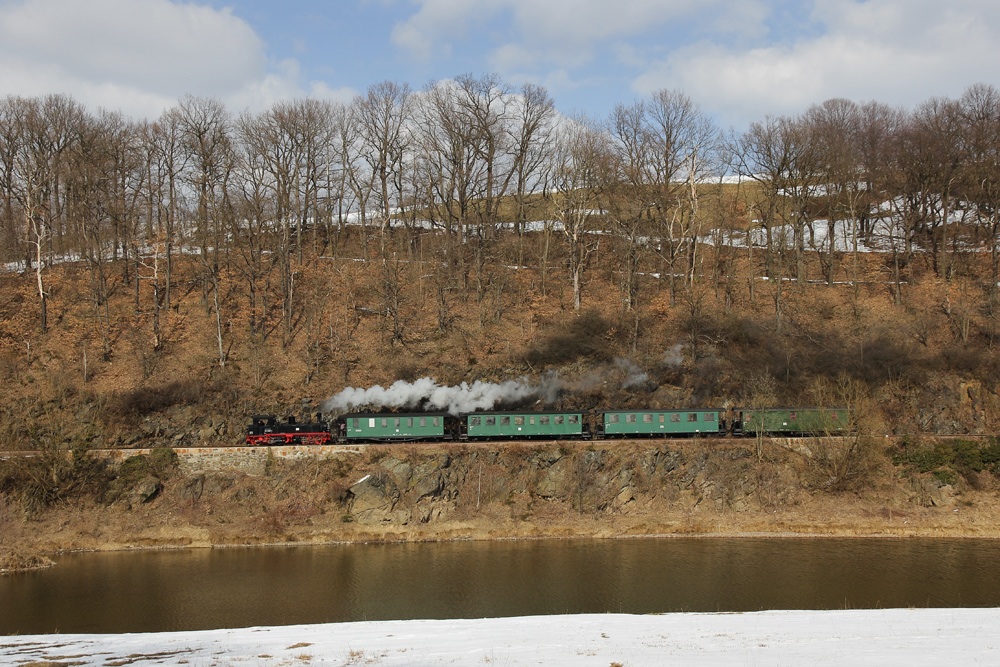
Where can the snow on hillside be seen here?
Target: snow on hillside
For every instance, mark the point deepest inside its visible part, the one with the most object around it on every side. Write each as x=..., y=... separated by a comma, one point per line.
x=887, y=232
x=853, y=637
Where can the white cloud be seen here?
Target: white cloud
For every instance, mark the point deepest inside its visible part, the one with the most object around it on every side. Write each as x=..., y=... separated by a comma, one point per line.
x=747, y=18
x=740, y=59
x=281, y=84
x=555, y=33
x=428, y=33
x=895, y=51
x=581, y=22
x=137, y=56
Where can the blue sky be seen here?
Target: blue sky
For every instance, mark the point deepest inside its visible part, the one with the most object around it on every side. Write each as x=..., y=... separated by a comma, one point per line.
x=738, y=59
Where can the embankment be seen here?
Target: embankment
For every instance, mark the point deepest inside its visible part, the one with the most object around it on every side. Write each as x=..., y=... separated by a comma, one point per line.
x=231, y=496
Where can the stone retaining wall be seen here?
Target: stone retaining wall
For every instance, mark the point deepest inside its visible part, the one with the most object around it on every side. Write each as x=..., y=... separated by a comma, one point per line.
x=251, y=460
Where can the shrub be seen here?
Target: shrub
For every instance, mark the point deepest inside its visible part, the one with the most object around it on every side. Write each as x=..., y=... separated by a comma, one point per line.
x=946, y=476
x=848, y=465
x=947, y=460
x=161, y=462
x=53, y=476
x=922, y=459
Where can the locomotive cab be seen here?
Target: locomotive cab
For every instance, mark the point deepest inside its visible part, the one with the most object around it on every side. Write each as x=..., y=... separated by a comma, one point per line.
x=262, y=424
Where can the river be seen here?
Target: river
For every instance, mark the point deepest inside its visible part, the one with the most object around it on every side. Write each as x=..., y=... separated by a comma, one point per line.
x=241, y=587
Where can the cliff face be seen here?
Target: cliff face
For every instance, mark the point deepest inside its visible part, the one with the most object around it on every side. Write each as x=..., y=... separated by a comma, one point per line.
x=586, y=480
x=609, y=479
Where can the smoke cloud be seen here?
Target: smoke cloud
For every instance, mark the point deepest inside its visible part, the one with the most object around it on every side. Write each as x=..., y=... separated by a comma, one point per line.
x=634, y=376
x=674, y=357
x=427, y=394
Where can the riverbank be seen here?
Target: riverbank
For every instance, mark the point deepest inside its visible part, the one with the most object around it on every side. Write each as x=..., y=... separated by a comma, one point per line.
x=851, y=637
x=87, y=527
x=11, y=561
x=806, y=487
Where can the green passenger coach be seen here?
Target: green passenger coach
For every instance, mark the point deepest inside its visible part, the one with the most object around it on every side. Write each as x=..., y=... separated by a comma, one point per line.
x=394, y=427
x=664, y=423
x=791, y=421
x=526, y=425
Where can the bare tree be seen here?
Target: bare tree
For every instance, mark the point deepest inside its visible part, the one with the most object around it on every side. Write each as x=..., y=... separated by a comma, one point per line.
x=49, y=127
x=980, y=176
x=834, y=132
x=486, y=107
x=930, y=160
x=339, y=169
x=382, y=116
x=207, y=143
x=167, y=163
x=629, y=193
x=581, y=171
x=253, y=237
x=446, y=147
x=272, y=163
x=102, y=182
x=450, y=164
x=879, y=126
x=534, y=118
x=12, y=242
x=774, y=154
x=683, y=139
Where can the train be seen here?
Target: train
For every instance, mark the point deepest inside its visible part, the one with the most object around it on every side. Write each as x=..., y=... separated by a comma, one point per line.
x=496, y=425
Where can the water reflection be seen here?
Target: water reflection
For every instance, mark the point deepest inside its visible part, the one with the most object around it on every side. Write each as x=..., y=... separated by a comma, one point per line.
x=212, y=588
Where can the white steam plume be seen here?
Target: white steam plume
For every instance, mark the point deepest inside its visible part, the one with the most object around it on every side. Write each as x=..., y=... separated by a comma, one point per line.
x=427, y=394
x=634, y=375
x=674, y=357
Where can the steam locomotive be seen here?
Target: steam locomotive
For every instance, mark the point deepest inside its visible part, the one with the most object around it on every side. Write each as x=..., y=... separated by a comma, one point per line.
x=389, y=427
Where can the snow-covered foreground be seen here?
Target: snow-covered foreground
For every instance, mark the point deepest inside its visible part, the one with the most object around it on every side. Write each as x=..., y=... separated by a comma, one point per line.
x=854, y=637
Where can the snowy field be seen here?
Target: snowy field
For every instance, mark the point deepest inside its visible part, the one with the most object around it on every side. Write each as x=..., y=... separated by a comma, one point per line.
x=854, y=637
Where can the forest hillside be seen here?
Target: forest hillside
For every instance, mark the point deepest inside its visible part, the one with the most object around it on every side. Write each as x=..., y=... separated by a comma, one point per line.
x=121, y=374
x=163, y=280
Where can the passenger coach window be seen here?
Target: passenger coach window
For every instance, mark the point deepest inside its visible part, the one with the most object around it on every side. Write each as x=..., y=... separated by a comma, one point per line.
x=491, y=421
x=630, y=419
x=385, y=422
x=692, y=416
x=475, y=421
x=505, y=421
x=662, y=418
x=519, y=420
x=544, y=419
x=434, y=421
x=531, y=420
x=573, y=419
x=647, y=419
x=409, y=421
x=710, y=416
x=423, y=421
x=612, y=419
x=559, y=419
